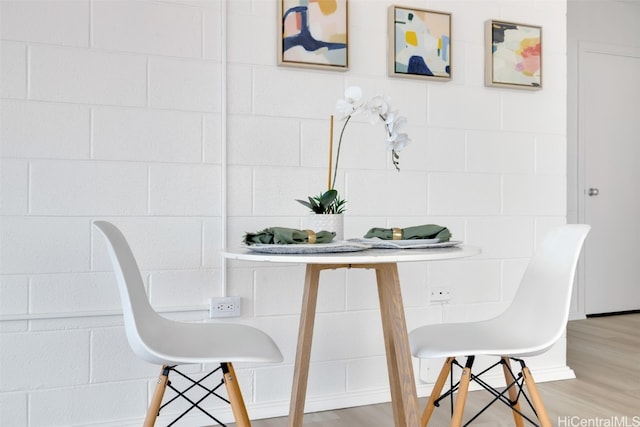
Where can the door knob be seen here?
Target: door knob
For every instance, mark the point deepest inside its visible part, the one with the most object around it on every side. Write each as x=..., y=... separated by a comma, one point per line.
x=593, y=192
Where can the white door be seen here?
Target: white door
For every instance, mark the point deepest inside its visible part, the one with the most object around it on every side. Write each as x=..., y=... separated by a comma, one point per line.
x=609, y=152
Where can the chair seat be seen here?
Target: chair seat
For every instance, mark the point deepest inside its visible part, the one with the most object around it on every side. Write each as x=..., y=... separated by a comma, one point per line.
x=490, y=337
x=175, y=343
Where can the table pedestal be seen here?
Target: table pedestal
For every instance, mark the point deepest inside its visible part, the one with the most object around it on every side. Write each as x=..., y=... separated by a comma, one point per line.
x=401, y=380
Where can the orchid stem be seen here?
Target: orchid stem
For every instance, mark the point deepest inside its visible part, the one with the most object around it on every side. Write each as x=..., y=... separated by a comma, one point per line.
x=330, y=151
x=335, y=173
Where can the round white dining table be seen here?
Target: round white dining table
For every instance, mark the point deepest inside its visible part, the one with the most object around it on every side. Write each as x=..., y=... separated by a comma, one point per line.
x=385, y=262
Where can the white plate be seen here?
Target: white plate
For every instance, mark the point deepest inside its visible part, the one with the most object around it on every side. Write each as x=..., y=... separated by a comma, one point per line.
x=377, y=243
x=304, y=248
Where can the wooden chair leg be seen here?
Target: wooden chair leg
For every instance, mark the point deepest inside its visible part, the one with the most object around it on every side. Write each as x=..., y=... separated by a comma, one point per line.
x=235, y=396
x=463, y=390
x=156, y=400
x=536, y=400
x=436, y=392
x=513, y=392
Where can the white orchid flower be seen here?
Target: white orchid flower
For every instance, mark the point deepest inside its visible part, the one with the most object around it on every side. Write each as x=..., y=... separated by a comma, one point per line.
x=377, y=109
x=391, y=117
x=397, y=141
x=353, y=94
x=351, y=104
x=396, y=124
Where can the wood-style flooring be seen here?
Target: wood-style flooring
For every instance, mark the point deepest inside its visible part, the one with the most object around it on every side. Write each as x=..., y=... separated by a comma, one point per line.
x=604, y=352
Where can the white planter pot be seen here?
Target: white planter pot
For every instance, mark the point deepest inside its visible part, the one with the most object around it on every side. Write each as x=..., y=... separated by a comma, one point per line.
x=326, y=222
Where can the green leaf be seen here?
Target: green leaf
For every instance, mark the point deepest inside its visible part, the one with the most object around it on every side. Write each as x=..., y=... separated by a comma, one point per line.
x=326, y=199
x=304, y=203
x=328, y=202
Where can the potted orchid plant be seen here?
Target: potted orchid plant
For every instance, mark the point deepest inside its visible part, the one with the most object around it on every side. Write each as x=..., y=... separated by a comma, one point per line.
x=378, y=111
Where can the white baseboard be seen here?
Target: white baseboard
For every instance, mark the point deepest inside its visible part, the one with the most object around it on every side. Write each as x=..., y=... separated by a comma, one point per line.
x=281, y=408
x=349, y=400
x=577, y=315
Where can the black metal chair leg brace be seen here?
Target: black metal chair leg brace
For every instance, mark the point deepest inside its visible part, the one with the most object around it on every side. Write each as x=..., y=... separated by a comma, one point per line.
x=228, y=379
x=515, y=385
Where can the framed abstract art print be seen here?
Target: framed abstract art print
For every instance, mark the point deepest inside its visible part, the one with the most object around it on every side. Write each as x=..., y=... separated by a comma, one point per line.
x=313, y=33
x=419, y=43
x=513, y=55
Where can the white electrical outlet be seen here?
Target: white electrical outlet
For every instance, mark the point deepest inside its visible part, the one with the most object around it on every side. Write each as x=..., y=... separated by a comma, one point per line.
x=224, y=307
x=440, y=294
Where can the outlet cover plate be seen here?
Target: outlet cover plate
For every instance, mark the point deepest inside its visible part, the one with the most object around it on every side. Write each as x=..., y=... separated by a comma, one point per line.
x=440, y=294
x=224, y=307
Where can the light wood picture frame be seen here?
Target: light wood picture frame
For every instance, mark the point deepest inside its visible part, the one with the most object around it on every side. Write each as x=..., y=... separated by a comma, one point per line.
x=513, y=55
x=313, y=34
x=419, y=43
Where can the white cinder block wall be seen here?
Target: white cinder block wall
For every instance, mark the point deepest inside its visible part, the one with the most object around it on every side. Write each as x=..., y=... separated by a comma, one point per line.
x=114, y=110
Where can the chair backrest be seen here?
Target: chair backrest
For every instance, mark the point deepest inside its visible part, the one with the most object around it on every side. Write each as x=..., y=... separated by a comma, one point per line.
x=543, y=300
x=138, y=313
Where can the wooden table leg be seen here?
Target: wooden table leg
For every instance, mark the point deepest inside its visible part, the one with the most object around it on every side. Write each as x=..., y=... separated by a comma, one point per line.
x=303, y=351
x=399, y=364
x=401, y=379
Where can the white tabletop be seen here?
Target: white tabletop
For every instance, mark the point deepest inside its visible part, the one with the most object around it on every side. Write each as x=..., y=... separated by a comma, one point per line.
x=369, y=256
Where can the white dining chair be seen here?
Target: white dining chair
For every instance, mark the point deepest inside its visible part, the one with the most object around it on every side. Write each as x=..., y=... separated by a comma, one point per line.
x=169, y=343
x=531, y=325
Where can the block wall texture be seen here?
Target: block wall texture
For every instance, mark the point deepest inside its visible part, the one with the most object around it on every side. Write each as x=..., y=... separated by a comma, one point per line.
x=116, y=110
